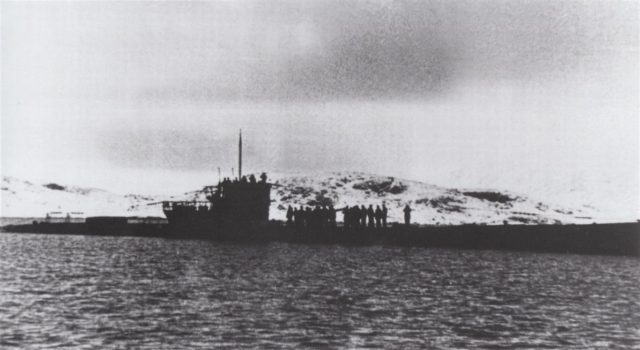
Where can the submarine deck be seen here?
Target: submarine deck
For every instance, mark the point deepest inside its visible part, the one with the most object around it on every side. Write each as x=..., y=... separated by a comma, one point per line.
x=602, y=239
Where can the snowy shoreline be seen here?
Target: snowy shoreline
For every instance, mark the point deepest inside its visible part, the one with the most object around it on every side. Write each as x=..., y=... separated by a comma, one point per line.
x=432, y=205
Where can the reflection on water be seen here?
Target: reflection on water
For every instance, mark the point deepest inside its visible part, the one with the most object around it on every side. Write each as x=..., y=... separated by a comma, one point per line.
x=108, y=292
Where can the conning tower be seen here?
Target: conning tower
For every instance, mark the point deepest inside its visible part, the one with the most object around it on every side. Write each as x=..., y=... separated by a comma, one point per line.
x=235, y=202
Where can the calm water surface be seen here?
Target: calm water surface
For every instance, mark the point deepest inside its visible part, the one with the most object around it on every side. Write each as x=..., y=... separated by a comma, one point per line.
x=107, y=292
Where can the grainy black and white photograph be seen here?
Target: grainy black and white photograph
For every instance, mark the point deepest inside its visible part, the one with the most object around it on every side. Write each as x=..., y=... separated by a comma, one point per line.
x=383, y=174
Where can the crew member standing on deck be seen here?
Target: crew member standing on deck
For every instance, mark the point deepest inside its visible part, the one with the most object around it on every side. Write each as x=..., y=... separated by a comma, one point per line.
x=363, y=216
x=384, y=215
x=346, y=216
x=325, y=216
x=378, y=216
x=289, y=215
x=370, y=214
x=296, y=217
x=407, y=214
x=332, y=216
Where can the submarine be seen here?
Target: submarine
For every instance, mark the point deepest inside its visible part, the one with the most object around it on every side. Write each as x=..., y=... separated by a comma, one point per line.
x=237, y=210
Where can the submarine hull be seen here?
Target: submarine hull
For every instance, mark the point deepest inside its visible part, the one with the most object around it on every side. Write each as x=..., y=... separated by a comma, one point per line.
x=603, y=239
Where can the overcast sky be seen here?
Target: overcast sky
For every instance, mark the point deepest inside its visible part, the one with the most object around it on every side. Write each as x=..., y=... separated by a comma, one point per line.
x=533, y=96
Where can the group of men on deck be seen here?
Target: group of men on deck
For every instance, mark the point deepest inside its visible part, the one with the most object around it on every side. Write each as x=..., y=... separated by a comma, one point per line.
x=355, y=216
x=365, y=217
x=243, y=180
x=313, y=218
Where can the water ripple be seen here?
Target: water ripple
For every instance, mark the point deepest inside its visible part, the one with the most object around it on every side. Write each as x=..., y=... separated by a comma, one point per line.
x=106, y=292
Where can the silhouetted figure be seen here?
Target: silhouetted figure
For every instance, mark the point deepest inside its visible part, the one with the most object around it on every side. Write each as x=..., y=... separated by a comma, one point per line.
x=243, y=180
x=354, y=216
x=296, y=219
x=252, y=179
x=324, y=215
x=378, y=216
x=407, y=214
x=363, y=216
x=346, y=212
x=263, y=177
x=289, y=214
x=384, y=215
x=371, y=215
x=332, y=216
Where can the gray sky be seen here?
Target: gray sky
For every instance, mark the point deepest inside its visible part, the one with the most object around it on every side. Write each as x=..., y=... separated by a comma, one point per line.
x=533, y=96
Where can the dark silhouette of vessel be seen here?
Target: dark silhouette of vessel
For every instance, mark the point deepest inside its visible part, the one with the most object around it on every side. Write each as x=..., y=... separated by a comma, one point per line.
x=237, y=210
x=234, y=206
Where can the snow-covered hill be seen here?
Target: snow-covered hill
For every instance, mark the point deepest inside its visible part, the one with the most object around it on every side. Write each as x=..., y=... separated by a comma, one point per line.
x=431, y=204
x=25, y=199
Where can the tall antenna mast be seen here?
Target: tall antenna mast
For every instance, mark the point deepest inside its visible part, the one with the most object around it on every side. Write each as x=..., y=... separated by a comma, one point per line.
x=240, y=156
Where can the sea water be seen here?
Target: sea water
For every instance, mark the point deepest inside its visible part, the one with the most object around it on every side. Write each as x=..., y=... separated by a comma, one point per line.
x=116, y=292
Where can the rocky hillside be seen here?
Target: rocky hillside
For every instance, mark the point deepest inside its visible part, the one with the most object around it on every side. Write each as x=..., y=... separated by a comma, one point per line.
x=431, y=204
